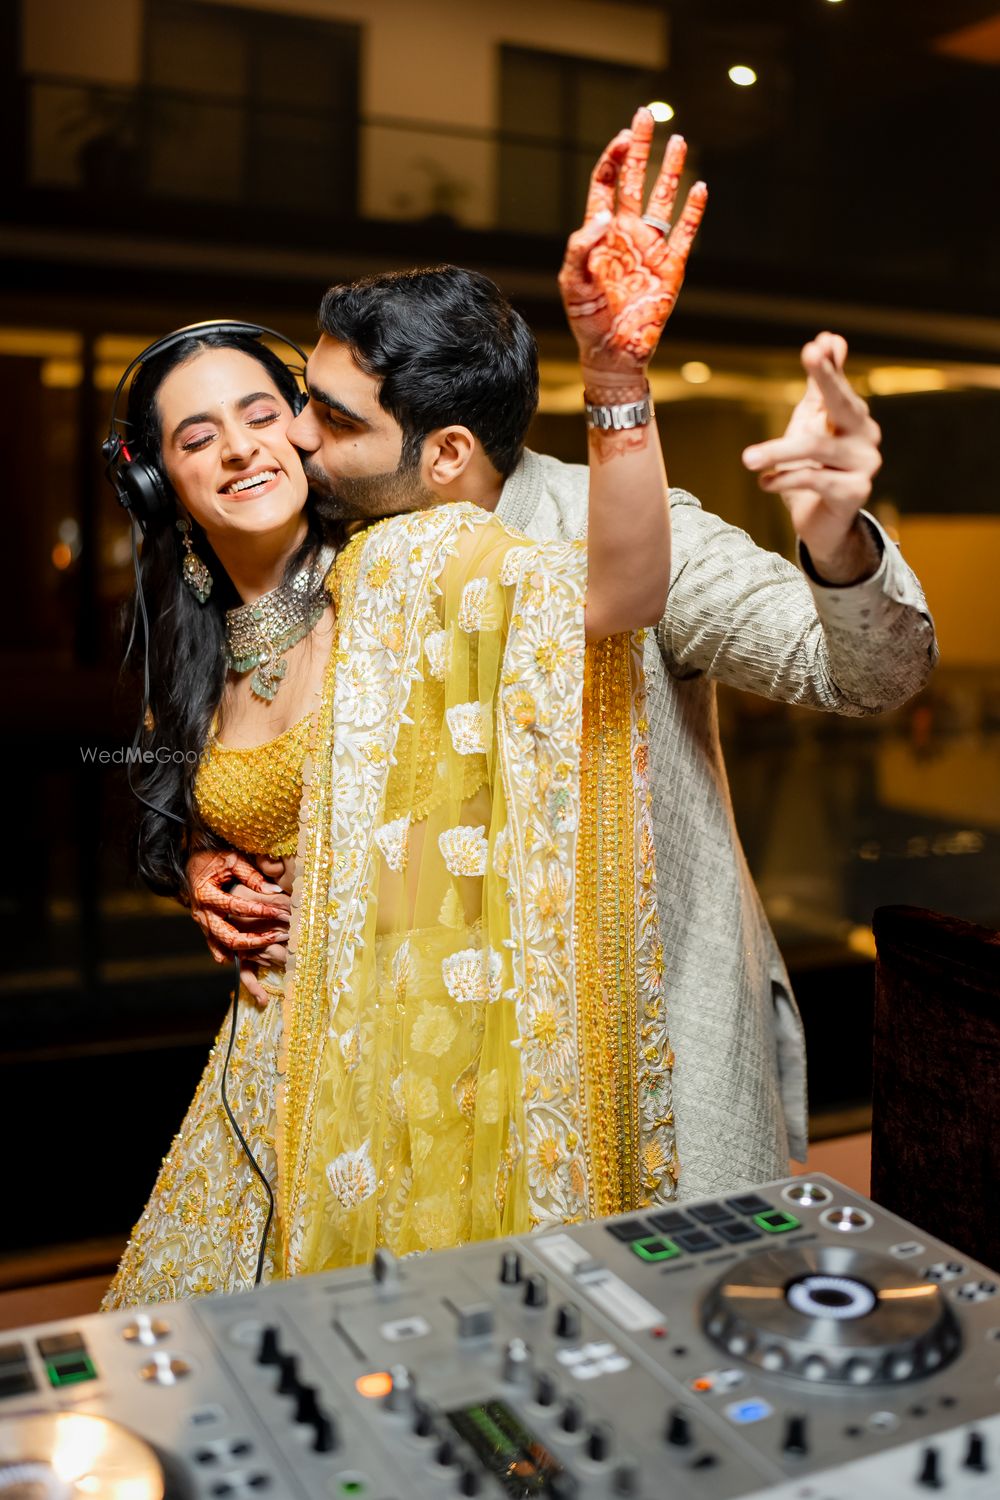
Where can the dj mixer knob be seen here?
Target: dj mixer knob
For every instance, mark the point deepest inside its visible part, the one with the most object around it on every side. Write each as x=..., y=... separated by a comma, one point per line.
x=402, y=1393
x=516, y=1362
x=599, y=1442
x=568, y=1322
x=536, y=1291
x=510, y=1268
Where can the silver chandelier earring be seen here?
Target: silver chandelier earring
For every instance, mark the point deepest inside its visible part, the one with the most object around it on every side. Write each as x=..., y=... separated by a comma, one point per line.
x=194, y=572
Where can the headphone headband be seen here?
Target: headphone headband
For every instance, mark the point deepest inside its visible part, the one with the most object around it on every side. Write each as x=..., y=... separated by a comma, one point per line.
x=139, y=484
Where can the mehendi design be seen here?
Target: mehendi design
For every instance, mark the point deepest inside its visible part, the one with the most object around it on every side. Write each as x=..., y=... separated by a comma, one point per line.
x=621, y=276
x=609, y=444
x=208, y=873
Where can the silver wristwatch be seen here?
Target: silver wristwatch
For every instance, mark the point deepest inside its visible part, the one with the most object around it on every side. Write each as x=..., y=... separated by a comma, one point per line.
x=620, y=418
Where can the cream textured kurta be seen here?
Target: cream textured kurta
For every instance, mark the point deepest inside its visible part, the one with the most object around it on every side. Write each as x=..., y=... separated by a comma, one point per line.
x=747, y=617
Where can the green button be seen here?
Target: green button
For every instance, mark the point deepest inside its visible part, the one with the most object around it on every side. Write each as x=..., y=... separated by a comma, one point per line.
x=69, y=1369
x=654, y=1247
x=776, y=1221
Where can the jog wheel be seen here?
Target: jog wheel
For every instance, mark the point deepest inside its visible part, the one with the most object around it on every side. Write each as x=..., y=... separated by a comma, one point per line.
x=832, y=1314
x=70, y=1456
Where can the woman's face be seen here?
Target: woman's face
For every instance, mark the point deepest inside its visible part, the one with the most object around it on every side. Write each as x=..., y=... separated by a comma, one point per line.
x=223, y=429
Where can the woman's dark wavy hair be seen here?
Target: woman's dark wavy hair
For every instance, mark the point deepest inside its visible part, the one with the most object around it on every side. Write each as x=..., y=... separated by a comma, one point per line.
x=446, y=346
x=187, y=669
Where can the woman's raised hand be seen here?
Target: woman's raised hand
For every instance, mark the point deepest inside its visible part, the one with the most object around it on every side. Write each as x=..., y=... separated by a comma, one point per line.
x=622, y=273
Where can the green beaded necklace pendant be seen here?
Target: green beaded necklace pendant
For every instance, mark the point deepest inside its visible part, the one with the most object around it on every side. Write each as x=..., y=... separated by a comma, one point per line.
x=266, y=680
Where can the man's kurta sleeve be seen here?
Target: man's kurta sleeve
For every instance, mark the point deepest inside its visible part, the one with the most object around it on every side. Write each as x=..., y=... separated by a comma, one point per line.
x=747, y=617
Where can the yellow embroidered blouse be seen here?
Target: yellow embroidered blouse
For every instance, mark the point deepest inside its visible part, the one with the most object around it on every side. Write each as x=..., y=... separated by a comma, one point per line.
x=250, y=796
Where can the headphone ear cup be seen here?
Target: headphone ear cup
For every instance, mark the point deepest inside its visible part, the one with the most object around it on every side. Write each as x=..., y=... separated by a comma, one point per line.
x=145, y=493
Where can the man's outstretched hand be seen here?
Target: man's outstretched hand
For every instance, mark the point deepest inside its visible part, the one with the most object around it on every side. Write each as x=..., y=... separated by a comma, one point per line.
x=824, y=464
x=621, y=275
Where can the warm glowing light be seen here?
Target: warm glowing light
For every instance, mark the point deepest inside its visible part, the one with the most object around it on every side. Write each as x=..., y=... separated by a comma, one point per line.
x=905, y=380
x=661, y=111
x=696, y=372
x=62, y=556
x=742, y=75
x=376, y=1383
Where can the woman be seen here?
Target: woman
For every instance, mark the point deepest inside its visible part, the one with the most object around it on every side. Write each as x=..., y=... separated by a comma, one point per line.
x=470, y=1038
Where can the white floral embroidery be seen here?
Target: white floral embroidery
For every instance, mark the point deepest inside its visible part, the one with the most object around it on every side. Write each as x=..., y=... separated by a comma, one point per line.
x=452, y=912
x=467, y=728
x=464, y=849
x=472, y=976
x=352, y=1177
x=436, y=652
x=422, y=1101
x=402, y=971
x=397, y=1099
x=548, y=1043
x=434, y=1030
x=350, y=1046
x=393, y=840
x=361, y=700
x=472, y=610
x=510, y=568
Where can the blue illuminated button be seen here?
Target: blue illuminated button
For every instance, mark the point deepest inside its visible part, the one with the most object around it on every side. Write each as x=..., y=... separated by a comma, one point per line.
x=751, y=1410
x=656, y=1247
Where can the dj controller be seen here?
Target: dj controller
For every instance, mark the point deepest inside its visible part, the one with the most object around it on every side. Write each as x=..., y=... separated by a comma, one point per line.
x=796, y=1342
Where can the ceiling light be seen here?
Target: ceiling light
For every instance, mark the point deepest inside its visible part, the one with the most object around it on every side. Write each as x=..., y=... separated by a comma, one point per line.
x=661, y=111
x=742, y=75
x=696, y=372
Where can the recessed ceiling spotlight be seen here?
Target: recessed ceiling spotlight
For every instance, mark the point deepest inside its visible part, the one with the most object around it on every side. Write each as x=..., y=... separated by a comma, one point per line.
x=661, y=111
x=742, y=75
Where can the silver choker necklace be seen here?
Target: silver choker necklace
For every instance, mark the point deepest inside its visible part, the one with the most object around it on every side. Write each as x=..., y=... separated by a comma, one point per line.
x=258, y=634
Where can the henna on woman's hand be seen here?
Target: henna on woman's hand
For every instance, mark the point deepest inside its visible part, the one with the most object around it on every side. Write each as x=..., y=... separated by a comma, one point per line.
x=262, y=912
x=621, y=275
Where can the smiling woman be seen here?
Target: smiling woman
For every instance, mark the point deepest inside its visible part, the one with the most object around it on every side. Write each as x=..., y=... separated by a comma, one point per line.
x=210, y=415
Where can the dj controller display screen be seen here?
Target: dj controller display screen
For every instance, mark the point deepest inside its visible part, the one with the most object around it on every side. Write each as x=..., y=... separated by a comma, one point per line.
x=505, y=1448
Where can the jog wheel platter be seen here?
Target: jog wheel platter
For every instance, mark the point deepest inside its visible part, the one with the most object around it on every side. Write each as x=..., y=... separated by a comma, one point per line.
x=70, y=1456
x=832, y=1313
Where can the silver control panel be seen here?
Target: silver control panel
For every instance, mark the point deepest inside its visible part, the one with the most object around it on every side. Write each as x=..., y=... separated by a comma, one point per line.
x=795, y=1342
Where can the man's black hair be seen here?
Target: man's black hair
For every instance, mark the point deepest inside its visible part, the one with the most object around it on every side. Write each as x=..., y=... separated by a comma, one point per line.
x=446, y=346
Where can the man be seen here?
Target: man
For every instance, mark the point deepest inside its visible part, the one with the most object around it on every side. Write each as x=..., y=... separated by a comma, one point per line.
x=394, y=378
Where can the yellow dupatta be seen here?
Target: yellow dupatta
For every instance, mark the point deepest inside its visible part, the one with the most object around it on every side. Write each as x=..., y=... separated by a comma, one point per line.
x=474, y=1024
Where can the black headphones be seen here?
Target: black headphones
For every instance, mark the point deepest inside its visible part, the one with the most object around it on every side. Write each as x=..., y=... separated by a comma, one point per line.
x=141, y=486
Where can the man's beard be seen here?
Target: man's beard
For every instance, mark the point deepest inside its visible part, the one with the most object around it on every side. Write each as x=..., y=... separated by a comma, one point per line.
x=369, y=497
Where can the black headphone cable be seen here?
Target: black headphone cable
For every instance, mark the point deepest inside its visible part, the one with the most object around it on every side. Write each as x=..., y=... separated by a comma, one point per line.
x=239, y=1134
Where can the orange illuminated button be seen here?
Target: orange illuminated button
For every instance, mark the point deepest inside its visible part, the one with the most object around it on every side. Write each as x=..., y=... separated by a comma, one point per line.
x=703, y=1383
x=376, y=1383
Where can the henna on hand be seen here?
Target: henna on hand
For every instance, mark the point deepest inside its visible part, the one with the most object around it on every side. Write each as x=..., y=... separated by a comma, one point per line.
x=266, y=915
x=621, y=276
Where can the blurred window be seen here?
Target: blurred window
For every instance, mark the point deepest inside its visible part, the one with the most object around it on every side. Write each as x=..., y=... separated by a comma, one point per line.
x=252, y=107
x=237, y=106
x=556, y=115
